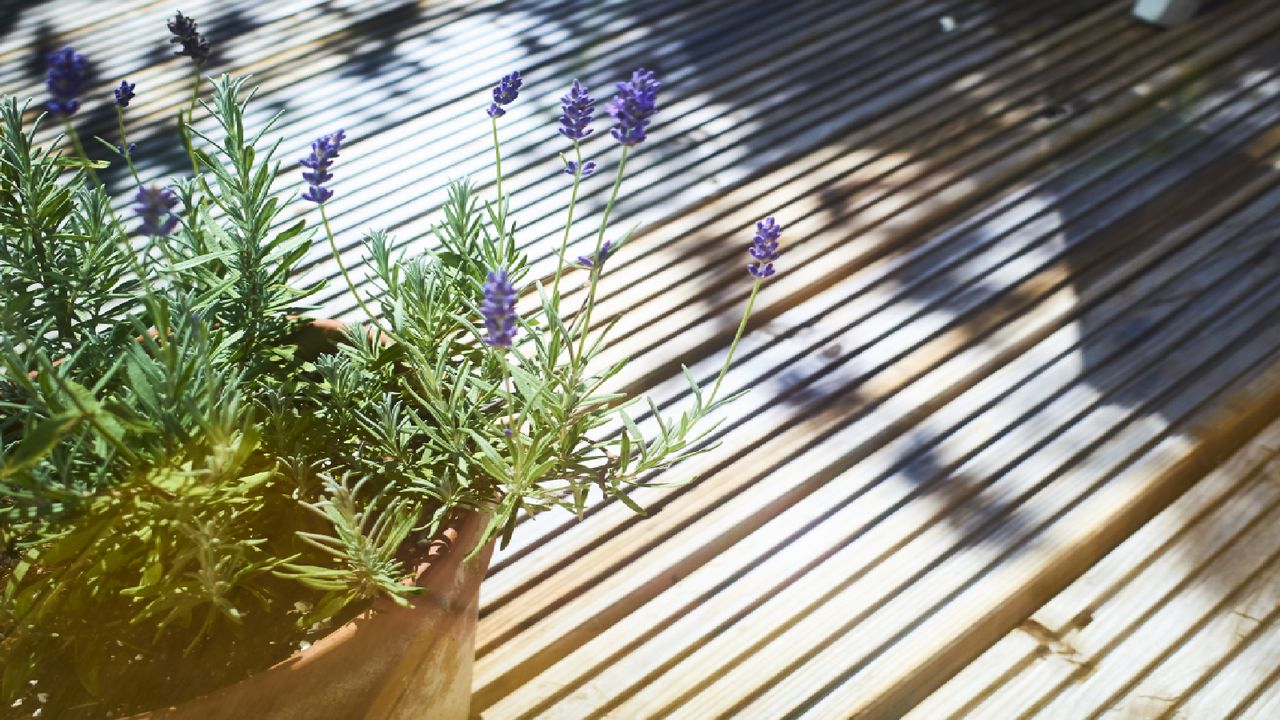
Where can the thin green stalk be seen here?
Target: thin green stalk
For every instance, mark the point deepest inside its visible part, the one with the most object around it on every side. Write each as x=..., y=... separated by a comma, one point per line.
x=497, y=163
x=75, y=142
x=128, y=247
x=590, y=302
x=195, y=94
x=333, y=246
x=568, y=225
x=742, y=326
x=124, y=146
x=184, y=126
x=511, y=402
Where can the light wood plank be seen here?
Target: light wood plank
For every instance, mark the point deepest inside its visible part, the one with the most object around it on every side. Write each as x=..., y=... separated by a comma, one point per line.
x=1010, y=674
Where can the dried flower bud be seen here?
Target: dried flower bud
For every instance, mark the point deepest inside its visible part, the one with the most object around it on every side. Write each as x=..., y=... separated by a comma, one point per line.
x=124, y=93
x=193, y=43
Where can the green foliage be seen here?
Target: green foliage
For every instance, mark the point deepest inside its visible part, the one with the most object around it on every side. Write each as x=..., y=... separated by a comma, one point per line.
x=367, y=539
x=182, y=470
x=136, y=499
x=457, y=398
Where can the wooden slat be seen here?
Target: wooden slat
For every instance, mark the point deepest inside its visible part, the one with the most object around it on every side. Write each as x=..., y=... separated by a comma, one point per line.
x=1175, y=620
x=716, y=221
x=641, y=542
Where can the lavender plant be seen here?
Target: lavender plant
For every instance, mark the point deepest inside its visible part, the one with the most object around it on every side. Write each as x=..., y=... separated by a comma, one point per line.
x=184, y=473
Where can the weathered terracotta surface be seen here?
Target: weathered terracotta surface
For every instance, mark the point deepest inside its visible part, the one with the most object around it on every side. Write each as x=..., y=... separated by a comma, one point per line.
x=390, y=662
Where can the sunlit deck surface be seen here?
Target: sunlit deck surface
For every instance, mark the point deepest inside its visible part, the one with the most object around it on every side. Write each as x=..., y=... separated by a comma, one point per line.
x=1029, y=302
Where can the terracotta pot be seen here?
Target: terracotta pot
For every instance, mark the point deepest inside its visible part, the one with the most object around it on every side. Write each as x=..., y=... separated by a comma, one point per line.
x=390, y=661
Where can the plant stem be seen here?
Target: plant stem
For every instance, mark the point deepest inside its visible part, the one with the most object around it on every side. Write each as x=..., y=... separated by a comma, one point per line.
x=75, y=142
x=333, y=246
x=124, y=146
x=733, y=346
x=115, y=221
x=598, y=266
x=184, y=126
x=497, y=163
x=568, y=224
x=128, y=247
x=511, y=402
x=195, y=94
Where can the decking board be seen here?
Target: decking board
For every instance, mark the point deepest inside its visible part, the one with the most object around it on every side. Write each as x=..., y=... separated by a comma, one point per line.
x=1131, y=621
x=1026, y=301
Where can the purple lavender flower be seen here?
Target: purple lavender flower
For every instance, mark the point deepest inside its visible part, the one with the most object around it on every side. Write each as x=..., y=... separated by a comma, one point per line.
x=317, y=194
x=634, y=106
x=764, y=248
x=577, y=108
x=504, y=93
x=571, y=168
x=124, y=93
x=323, y=150
x=499, y=309
x=605, y=250
x=64, y=79
x=193, y=43
x=155, y=209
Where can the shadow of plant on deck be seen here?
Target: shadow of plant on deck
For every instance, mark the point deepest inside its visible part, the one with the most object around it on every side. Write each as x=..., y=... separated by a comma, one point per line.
x=1173, y=169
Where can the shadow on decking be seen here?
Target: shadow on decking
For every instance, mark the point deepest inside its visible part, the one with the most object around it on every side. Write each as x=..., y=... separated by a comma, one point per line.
x=1186, y=173
x=1082, y=253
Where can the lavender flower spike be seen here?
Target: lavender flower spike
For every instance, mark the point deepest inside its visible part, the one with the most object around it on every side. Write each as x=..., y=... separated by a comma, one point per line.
x=65, y=79
x=323, y=150
x=155, y=209
x=634, y=106
x=764, y=248
x=505, y=93
x=193, y=43
x=577, y=108
x=499, y=309
x=124, y=93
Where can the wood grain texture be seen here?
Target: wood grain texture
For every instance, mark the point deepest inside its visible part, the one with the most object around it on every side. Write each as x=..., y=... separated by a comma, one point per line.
x=1027, y=301
x=1178, y=621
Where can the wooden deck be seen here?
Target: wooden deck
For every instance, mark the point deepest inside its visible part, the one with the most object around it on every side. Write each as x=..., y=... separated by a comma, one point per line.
x=1028, y=303
x=1181, y=620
